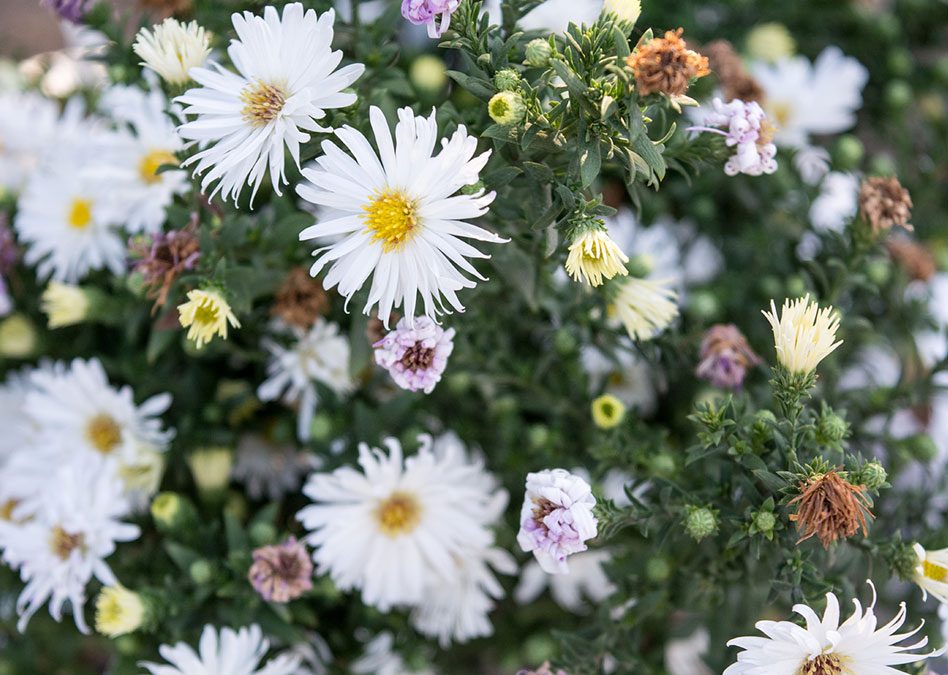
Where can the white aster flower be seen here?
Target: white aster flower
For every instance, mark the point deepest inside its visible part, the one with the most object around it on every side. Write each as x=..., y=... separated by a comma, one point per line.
x=402, y=222
x=931, y=573
x=625, y=375
x=812, y=163
x=28, y=126
x=556, y=518
x=285, y=82
x=146, y=142
x=270, y=470
x=394, y=528
x=232, y=652
x=60, y=545
x=803, y=98
x=837, y=202
x=380, y=658
x=643, y=306
x=172, y=48
x=684, y=655
x=804, y=334
x=319, y=356
x=77, y=65
x=586, y=580
x=554, y=16
x=826, y=646
x=68, y=221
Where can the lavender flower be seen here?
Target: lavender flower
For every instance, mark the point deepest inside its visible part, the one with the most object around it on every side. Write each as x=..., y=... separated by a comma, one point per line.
x=748, y=131
x=556, y=518
x=281, y=573
x=725, y=357
x=415, y=357
x=425, y=12
x=70, y=10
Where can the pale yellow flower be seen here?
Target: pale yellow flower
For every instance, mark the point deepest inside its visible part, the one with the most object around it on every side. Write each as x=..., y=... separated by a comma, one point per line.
x=625, y=10
x=644, y=307
x=804, y=334
x=64, y=304
x=118, y=611
x=594, y=256
x=608, y=411
x=770, y=42
x=931, y=573
x=206, y=314
x=172, y=48
x=211, y=467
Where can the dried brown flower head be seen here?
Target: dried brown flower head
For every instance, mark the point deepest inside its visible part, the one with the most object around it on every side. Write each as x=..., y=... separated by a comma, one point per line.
x=734, y=79
x=165, y=8
x=831, y=508
x=666, y=65
x=885, y=203
x=300, y=300
x=162, y=257
x=281, y=573
x=915, y=259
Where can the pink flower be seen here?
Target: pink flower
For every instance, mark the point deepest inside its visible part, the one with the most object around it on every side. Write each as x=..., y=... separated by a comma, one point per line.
x=556, y=518
x=281, y=573
x=725, y=357
x=748, y=131
x=425, y=12
x=415, y=356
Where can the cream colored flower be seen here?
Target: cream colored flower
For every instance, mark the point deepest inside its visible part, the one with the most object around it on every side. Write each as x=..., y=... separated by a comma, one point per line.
x=211, y=467
x=770, y=42
x=804, y=334
x=931, y=573
x=206, y=314
x=64, y=304
x=172, y=48
x=594, y=256
x=645, y=307
x=118, y=611
x=625, y=10
x=607, y=411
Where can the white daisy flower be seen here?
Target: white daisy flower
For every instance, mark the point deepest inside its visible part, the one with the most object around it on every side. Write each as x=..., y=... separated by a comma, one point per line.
x=68, y=221
x=683, y=656
x=380, y=658
x=319, y=356
x=586, y=580
x=398, y=525
x=402, y=222
x=285, y=82
x=625, y=375
x=61, y=545
x=802, y=99
x=239, y=652
x=76, y=409
x=28, y=126
x=270, y=470
x=837, y=202
x=146, y=143
x=826, y=646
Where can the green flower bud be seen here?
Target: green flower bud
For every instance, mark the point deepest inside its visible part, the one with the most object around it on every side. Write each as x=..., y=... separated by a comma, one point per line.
x=504, y=405
x=17, y=337
x=657, y=569
x=898, y=94
x=703, y=305
x=320, y=428
x=700, y=522
x=539, y=436
x=564, y=342
x=832, y=428
x=903, y=561
x=879, y=271
x=262, y=533
x=459, y=383
x=873, y=475
x=201, y=572
x=849, y=152
x=173, y=513
x=428, y=74
x=507, y=79
x=662, y=465
x=506, y=108
x=765, y=521
x=900, y=62
x=883, y=165
x=538, y=53
x=921, y=447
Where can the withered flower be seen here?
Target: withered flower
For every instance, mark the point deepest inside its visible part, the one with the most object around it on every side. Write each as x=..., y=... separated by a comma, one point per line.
x=725, y=356
x=300, y=300
x=915, y=259
x=734, y=79
x=162, y=257
x=281, y=573
x=884, y=203
x=666, y=65
x=165, y=8
x=831, y=508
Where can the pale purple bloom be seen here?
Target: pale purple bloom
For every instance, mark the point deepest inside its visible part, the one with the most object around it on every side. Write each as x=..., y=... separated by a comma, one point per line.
x=425, y=12
x=725, y=357
x=415, y=356
x=70, y=10
x=556, y=518
x=746, y=129
x=281, y=573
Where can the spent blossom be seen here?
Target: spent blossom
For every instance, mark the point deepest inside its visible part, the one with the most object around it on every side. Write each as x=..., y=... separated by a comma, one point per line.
x=426, y=13
x=281, y=573
x=748, y=131
x=556, y=518
x=415, y=356
x=725, y=357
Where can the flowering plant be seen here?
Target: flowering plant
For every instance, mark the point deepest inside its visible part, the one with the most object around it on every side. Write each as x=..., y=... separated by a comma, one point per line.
x=463, y=337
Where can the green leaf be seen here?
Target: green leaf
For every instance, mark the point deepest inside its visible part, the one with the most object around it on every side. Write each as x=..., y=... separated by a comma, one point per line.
x=590, y=162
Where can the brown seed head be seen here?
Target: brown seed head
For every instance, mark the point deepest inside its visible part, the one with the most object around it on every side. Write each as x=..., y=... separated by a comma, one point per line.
x=831, y=508
x=884, y=203
x=666, y=65
x=162, y=257
x=735, y=81
x=300, y=300
x=915, y=259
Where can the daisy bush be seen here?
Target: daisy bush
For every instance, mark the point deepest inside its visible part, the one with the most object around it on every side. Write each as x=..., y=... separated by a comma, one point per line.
x=449, y=336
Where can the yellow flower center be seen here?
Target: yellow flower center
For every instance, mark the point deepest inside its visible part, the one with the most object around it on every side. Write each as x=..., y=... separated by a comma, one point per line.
x=6, y=509
x=205, y=315
x=824, y=664
x=780, y=113
x=64, y=543
x=262, y=103
x=399, y=514
x=933, y=571
x=103, y=433
x=154, y=160
x=80, y=213
x=391, y=218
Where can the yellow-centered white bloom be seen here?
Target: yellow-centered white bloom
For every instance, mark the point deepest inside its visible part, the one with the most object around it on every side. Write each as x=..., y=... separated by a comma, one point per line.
x=804, y=334
x=211, y=467
x=118, y=611
x=396, y=214
x=625, y=10
x=64, y=304
x=172, y=48
x=206, y=314
x=594, y=256
x=645, y=307
x=240, y=652
x=931, y=573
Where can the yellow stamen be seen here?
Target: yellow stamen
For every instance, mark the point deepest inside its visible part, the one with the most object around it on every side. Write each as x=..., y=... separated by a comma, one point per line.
x=399, y=514
x=150, y=163
x=63, y=543
x=80, y=213
x=6, y=509
x=391, y=217
x=262, y=103
x=103, y=433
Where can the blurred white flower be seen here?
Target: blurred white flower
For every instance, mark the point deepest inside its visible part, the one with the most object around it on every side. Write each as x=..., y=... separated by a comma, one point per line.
x=812, y=163
x=837, y=202
x=586, y=581
x=625, y=375
x=232, y=652
x=683, y=656
x=380, y=658
x=269, y=470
